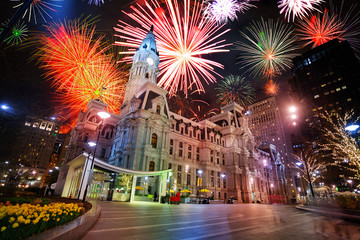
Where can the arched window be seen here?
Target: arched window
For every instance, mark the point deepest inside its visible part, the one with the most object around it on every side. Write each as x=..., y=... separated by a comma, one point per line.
x=151, y=166
x=158, y=109
x=146, y=75
x=154, y=140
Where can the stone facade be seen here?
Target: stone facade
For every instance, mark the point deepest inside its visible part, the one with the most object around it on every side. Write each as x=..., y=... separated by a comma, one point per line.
x=218, y=153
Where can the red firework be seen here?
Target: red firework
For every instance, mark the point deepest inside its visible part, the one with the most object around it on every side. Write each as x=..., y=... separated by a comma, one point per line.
x=318, y=30
x=272, y=88
x=76, y=63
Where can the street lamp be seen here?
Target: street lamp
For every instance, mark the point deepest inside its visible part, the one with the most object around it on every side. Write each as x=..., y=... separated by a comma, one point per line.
x=352, y=127
x=292, y=109
x=91, y=144
x=223, y=177
x=104, y=116
x=4, y=107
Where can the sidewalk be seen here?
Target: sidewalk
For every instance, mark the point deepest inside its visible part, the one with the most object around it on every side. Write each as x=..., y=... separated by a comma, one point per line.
x=350, y=215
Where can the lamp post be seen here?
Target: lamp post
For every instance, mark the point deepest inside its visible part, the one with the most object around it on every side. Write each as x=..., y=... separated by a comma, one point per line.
x=199, y=181
x=223, y=177
x=271, y=187
x=103, y=116
x=91, y=144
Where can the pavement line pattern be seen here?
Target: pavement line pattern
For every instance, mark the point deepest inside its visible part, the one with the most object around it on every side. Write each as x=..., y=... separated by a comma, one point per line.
x=159, y=225
x=148, y=216
x=217, y=223
x=222, y=233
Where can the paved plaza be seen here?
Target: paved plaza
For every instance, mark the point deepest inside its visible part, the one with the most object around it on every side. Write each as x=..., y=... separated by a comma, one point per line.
x=141, y=220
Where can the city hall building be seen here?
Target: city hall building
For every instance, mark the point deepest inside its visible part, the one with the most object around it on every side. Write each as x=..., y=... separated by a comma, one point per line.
x=217, y=154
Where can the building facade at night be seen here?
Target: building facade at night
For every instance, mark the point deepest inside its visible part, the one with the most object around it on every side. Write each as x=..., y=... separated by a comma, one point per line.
x=266, y=124
x=36, y=142
x=218, y=153
x=326, y=78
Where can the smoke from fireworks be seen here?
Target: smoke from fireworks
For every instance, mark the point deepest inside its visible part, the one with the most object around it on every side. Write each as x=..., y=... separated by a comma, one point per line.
x=271, y=88
x=268, y=48
x=223, y=11
x=18, y=33
x=320, y=29
x=235, y=89
x=39, y=9
x=298, y=8
x=75, y=61
x=184, y=39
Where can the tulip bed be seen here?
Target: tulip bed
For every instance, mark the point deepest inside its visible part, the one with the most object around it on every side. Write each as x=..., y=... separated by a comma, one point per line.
x=20, y=221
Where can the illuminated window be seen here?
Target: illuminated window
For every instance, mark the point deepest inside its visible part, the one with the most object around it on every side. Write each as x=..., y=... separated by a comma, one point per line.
x=316, y=96
x=154, y=140
x=343, y=87
x=151, y=166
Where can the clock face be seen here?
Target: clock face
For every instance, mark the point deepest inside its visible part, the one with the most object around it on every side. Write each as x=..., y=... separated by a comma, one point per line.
x=150, y=61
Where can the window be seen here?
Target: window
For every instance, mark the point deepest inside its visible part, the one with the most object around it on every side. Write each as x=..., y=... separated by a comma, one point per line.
x=103, y=151
x=197, y=157
x=179, y=168
x=146, y=75
x=180, y=152
x=169, y=166
x=171, y=142
x=189, y=155
x=179, y=178
x=151, y=166
x=171, y=150
x=158, y=109
x=316, y=96
x=180, y=144
x=154, y=140
x=224, y=183
x=212, y=181
x=86, y=138
x=188, y=180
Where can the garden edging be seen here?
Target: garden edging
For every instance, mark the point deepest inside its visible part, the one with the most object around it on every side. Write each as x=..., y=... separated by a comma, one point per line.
x=73, y=230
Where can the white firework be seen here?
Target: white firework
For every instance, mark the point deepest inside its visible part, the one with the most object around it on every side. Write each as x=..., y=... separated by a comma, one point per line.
x=223, y=11
x=298, y=8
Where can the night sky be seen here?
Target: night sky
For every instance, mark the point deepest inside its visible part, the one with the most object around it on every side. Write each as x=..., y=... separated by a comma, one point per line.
x=24, y=88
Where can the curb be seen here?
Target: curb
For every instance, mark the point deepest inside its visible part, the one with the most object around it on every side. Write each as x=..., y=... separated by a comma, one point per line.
x=330, y=213
x=72, y=230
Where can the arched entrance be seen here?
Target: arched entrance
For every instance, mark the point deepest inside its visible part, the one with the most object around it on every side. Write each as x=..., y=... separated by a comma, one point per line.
x=74, y=177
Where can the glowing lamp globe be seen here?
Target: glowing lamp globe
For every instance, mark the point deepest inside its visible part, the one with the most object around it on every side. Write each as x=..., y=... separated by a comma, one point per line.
x=92, y=144
x=352, y=127
x=103, y=115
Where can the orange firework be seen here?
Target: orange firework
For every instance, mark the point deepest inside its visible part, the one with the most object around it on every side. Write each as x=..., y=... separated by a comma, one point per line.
x=77, y=63
x=272, y=88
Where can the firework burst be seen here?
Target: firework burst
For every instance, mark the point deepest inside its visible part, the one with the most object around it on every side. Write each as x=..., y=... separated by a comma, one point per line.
x=298, y=8
x=39, y=9
x=223, y=11
x=75, y=61
x=235, y=89
x=18, y=34
x=320, y=29
x=184, y=39
x=272, y=88
x=268, y=48
x=96, y=2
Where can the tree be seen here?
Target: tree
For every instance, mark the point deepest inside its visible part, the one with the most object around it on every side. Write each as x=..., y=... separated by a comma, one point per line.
x=309, y=166
x=124, y=181
x=338, y=143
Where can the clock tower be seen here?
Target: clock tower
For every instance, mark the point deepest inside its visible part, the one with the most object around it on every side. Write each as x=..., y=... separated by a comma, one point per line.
x=144, y=68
